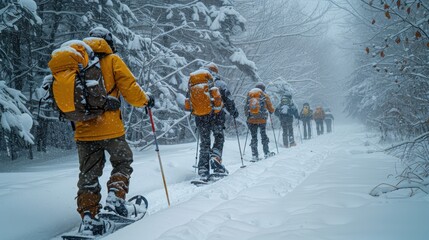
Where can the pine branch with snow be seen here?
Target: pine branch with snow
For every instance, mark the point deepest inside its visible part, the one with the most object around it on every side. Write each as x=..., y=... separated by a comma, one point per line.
x=15, y=117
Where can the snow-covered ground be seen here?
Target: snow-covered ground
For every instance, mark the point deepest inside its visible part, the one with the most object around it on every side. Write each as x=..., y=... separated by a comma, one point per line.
x=317, y=190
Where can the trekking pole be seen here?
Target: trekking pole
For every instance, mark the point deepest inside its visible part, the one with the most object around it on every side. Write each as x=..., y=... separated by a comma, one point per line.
x=245, y=142
x=299, y=129
x=196, y=152
x=274, y=133
x=239, y=146
x=149, y=111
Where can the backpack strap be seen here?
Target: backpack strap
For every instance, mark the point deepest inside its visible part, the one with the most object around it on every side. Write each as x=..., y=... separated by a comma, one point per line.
x=101, y=56
x=84, y=89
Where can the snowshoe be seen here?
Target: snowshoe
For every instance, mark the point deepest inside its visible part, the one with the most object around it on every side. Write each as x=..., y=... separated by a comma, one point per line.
x=209, y=179
x=131, y=209
x=109, y=220
x=269, y=154
x=92, y=228
x=216, y=176
x=255, y=159
x=199, y=182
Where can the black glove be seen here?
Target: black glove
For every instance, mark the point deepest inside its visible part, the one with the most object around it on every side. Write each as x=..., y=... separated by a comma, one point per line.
x=150, y=101
x=112, y=103
x=235, y=114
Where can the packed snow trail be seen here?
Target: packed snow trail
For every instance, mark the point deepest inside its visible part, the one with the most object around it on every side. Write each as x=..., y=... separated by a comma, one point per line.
x=316, y=190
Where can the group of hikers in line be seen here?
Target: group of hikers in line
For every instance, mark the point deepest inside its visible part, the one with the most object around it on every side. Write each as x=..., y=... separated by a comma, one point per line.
x=287, y=111
x=208, y=100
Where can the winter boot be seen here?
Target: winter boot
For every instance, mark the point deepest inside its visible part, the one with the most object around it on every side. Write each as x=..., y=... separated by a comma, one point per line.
x=269, y=154
x=293, y=144
x=94, y=226
x=216, y=164
x=203, y=172
x=255, y=158
x=121, y=207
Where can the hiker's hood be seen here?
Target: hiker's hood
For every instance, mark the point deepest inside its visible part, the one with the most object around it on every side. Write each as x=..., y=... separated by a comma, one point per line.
x=98, y=45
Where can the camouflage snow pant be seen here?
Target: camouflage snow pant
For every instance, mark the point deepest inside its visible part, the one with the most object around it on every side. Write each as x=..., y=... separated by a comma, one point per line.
x=91, y=163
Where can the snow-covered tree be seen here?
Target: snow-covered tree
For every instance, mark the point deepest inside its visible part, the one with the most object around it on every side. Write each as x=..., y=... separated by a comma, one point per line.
x=18, y=26
x=161, y=41
x=175, y=38
x=391, y=86
x=198, y=30
x=16, y=121
x=281, y=39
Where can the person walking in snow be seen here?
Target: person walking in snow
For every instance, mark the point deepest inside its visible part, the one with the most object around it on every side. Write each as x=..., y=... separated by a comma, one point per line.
x=257, y=107
x=306, y=117
x=106, y=133
x=329, y=119
x=286, y=111
x=209, y=100
x=319, y=117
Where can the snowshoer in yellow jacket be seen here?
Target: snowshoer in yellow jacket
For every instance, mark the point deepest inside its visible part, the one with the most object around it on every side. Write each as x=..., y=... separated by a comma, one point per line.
x=106, y=133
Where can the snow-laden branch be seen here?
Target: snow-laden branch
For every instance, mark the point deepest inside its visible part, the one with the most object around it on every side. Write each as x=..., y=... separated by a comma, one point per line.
x=166, y=131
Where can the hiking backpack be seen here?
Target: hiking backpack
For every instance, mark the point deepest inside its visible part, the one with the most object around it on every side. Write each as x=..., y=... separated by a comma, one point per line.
x=77, y=86
x=256, y=103
x=305, y=111
x=204, y=97
x=319, y=114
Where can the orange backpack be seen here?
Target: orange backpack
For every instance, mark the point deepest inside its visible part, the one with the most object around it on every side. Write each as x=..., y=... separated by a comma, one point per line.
x=256, y=103
x=77, y=89
x=319, y=114
x=204, y=98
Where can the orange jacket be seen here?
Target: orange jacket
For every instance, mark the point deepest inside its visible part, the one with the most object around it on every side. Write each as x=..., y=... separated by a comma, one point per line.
x=117, y=76
x=319, y=114
x=268, y=105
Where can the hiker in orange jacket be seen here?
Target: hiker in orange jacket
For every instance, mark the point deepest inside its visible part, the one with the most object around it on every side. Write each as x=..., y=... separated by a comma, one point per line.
x=319, y=117
x=257, y=107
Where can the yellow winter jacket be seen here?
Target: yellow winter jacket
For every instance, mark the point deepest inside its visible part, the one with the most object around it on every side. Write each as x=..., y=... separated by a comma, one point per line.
x=118, y=80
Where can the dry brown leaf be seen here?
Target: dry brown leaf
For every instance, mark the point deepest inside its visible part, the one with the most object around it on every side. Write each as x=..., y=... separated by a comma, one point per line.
x=398, y=40
x=382, y=54
x=398, y=3
x=386, y=6
x=373, y=21
x=387, y=14
x=409, y=10
x=418, y=35
x=367, y=50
